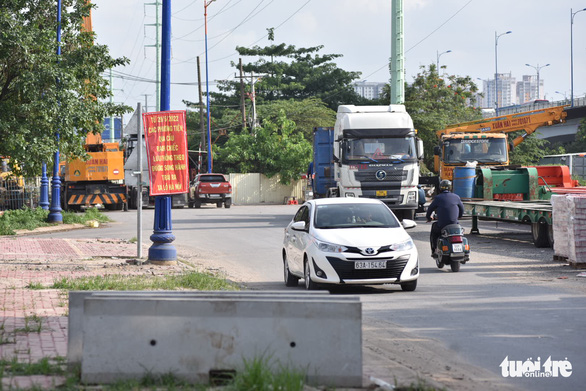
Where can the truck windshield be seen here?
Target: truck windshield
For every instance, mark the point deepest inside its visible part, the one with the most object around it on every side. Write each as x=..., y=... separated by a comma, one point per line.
x=387, y=149
x=482, y=150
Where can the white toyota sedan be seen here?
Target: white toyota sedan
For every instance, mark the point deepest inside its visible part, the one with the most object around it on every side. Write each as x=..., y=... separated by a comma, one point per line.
x=349, y=241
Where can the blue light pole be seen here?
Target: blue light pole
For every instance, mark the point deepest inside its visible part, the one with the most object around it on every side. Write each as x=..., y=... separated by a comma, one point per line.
x=55, y=215
x=162, y=251
x=205, y=14
x=44, y=196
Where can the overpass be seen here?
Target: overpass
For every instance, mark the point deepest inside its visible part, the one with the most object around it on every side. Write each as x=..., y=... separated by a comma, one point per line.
x=565, y=132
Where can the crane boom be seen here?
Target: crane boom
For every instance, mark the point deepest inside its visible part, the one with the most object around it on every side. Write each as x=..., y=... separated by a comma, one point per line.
x=528, y=121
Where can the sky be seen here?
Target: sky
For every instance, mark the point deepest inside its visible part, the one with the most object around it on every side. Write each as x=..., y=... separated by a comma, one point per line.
x=359, y=30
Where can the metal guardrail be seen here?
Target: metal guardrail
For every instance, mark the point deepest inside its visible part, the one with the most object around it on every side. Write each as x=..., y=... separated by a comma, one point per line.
x=581, y=101
x=17, y=193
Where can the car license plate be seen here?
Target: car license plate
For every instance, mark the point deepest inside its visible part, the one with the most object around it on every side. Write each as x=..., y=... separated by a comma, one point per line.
x=370, y=265
x=381, y=193
x=214, y=196
x=457, y=247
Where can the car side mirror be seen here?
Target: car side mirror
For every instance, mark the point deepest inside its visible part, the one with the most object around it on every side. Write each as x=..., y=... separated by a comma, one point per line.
x=408, y=224
x=298, y=226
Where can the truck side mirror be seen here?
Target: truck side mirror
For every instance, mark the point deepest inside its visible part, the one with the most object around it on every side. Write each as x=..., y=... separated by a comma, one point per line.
x=437, y=151
x=419, y=149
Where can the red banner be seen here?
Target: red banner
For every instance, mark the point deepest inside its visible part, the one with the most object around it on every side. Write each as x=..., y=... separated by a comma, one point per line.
x=166, y=145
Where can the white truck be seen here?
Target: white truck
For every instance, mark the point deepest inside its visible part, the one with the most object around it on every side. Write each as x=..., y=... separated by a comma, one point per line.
x=376, y=154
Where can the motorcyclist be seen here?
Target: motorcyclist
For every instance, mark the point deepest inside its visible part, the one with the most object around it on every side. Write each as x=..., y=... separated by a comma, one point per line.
x=448, y=208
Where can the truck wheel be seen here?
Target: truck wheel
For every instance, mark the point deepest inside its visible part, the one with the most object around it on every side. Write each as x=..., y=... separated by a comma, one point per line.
x=132, y=199
x=540, y=234
x=227, y=203
x=219, y=204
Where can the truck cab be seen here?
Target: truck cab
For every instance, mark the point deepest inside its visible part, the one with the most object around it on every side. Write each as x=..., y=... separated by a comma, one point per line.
x=376, y=155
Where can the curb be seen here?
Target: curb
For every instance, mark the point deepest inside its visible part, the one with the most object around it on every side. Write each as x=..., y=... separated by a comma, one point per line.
x=49, y=229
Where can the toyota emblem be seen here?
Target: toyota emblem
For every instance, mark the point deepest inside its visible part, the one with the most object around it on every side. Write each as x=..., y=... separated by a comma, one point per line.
x=380, y=175
x=369, y=251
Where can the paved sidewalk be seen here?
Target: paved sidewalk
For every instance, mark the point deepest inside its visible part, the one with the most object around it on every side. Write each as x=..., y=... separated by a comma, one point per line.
x=33, y=322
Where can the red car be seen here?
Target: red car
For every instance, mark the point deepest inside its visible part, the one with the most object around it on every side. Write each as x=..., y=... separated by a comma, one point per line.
x=210, y=189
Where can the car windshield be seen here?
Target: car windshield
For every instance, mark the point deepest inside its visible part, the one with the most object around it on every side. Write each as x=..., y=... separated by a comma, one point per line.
x=212, y=178
x=354, y=216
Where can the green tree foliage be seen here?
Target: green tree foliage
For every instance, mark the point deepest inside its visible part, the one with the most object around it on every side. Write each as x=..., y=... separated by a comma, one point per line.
x=530, y=151
x=306, y=114
x=275, y=148
x=293, y=73
x=42, y=93
x=435, y=101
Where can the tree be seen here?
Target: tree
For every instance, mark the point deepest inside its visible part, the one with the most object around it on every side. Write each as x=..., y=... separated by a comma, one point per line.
x=435, y=102
x=275, y=148
x=42, y=93
x=294, y=73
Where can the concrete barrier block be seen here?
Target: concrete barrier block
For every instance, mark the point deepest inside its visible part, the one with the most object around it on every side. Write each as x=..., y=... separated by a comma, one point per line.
x=189, y=336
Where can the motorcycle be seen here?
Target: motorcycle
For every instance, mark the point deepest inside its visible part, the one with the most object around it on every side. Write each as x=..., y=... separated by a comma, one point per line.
x=452, y=247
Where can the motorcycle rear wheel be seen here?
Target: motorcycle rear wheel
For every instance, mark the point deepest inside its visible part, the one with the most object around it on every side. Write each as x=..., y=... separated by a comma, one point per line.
x=455, y=265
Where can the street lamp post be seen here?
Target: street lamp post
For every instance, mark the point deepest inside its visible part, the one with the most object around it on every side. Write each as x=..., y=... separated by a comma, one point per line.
x=205, y=14
x=55, y=215
x=572, y=14
x=438, y=58
x=496, y=71
x=537, y=69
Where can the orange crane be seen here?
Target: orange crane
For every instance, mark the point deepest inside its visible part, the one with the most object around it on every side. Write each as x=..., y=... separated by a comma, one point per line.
x=98, y=181
x=485, y=141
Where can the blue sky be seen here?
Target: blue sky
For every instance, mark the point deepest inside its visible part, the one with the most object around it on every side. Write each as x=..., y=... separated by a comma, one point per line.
x=358, y=29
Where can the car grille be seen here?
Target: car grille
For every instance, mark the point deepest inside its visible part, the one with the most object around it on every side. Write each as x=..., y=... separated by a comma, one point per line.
x=346, y=271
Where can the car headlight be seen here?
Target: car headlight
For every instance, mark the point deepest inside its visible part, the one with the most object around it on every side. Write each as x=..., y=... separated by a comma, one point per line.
x=403, y=246
x=329, y=247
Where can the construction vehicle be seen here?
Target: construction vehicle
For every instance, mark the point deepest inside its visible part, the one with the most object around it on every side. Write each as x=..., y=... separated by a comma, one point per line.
x=98, y=181
x=485, y=141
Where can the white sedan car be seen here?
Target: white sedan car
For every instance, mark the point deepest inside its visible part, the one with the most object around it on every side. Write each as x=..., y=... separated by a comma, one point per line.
x=349, y=241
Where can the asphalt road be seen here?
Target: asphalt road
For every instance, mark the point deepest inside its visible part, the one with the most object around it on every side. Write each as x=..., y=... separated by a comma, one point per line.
x=511, y=305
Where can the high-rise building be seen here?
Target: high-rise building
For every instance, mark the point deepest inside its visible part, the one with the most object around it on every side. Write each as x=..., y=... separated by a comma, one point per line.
x=506, y=91
x=369, y=89
x=528, y=91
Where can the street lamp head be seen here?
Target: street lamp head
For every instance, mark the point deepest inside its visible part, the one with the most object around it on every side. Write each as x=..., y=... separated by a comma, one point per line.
x=508, y=32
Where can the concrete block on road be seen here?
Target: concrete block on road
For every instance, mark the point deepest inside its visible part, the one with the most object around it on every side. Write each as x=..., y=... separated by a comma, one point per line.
x=128, y=335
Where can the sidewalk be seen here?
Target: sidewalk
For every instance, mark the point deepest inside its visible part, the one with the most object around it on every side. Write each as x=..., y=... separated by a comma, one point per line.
x=33, y=322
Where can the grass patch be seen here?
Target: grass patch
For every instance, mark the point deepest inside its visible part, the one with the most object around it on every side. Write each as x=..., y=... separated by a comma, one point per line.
x=13, y=220
x=45, y=366
x=117, y=282
x=32, y=324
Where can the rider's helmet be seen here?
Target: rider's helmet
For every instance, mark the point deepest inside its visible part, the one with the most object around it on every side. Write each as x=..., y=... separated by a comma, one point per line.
x=445, y=185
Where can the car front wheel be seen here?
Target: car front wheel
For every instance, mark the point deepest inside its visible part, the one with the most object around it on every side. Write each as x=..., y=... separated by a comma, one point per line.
x=290, y=279
x=309, y=284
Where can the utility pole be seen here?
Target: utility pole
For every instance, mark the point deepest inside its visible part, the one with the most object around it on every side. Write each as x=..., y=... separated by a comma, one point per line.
x=253, y=80
x=201, y=118
x=397, y=54
x=242, y=100
x=146, y=103
x=157, y=47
